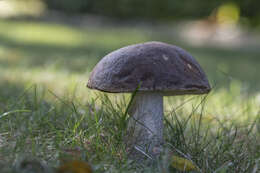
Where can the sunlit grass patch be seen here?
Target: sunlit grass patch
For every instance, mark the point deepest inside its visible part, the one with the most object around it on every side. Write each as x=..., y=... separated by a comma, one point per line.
x=40, y=33
x=62, y=35
x=60, y=83
x=223, y=105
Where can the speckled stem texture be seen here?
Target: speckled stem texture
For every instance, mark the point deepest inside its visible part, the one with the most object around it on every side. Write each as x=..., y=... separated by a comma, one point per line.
x=145, y=126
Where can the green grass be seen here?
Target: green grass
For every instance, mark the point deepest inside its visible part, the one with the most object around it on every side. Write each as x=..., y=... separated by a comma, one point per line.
x=45, y=107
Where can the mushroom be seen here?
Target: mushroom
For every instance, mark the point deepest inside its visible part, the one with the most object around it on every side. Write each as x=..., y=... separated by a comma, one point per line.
x=157, y=69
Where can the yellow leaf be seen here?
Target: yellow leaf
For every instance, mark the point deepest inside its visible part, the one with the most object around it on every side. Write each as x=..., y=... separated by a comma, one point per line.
x=183, y=164
x=75, y=166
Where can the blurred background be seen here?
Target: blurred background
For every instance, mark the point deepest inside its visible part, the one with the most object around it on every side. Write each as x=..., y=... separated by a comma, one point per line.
x=56, y=43
x=49, y=47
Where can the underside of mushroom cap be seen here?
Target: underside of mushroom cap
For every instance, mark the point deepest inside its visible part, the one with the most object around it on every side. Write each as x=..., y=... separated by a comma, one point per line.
x=155, y=66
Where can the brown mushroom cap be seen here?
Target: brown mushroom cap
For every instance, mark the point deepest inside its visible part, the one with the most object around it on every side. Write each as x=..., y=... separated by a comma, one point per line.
x=155, y=66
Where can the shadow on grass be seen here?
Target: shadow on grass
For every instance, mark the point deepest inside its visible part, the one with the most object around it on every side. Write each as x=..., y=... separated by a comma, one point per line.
x=225, y=66
x=74, y=59
x=8, y=93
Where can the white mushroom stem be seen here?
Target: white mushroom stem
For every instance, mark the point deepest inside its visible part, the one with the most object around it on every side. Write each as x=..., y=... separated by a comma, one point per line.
x=145, y=126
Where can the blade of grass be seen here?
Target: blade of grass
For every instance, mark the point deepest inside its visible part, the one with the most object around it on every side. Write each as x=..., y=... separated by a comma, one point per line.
x=123, y=120
x=12, y=112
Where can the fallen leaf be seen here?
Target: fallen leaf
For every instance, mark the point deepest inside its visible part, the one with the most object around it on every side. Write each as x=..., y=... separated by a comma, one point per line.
x=183, y=164
x=75, y=166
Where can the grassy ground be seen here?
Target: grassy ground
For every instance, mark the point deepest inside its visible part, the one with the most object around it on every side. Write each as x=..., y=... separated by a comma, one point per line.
x=47, y=112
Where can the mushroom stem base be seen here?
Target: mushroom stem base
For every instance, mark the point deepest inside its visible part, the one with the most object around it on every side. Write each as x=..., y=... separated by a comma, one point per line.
x=145, y=125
